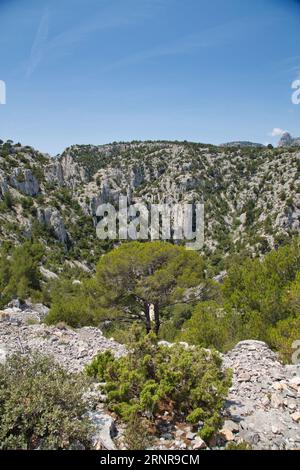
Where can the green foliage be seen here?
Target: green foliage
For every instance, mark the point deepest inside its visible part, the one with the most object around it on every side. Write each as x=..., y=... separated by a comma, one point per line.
x=139, y=433
x=69, y=304
x=7, y=203
x=209, y=327
x=19, y=272
x=136, y=275
x=41, y=406
x=261, y=300
x=99, y=366
x=282, y=336
x=257, y=286
x=152, y=379
x=241, y=446
x=130, y=279
x=176, y=317
x=291, y=296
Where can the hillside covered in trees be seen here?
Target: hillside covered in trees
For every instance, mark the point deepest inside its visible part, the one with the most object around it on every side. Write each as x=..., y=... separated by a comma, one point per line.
x=251, y=195
x=244, y=285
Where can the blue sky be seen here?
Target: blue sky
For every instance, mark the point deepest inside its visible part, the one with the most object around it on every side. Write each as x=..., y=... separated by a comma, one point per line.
x=96, y=71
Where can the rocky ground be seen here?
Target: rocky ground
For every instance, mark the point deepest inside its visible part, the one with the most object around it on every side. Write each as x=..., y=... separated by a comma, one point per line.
x=262, y=409
x=263, y=406
x=21, y=330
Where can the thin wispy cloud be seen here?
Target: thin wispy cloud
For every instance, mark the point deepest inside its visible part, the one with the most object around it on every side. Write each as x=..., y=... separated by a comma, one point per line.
x=185, y=45
x=291, y=66
x=39, y=44
x=61, y=43
x=209, y=37
x=43, y=44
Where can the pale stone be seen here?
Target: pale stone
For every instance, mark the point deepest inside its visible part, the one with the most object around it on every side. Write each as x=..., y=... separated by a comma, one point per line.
x=227, y=435
x=198, y=444
x=296, y=417
x=295, y=381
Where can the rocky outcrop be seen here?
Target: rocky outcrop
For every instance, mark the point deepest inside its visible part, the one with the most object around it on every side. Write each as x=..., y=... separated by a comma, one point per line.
x=65, y=171
x=106, y=429
x=3, y=184
x=288, y=141
x=21, y=331
x=264, y=401
x=231, y=181
x=290, y=219
x=48, y=275
x=25, y=182
x=52, y=218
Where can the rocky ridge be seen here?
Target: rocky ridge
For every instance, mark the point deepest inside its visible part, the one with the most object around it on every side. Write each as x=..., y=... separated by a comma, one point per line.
x=262, y=408
x=21, y=330
x=251, y=194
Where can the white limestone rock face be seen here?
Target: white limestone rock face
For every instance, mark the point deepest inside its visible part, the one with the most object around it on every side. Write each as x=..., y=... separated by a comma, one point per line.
x=3, y=183
x=52, y=218
x=65, y=172
x=288, y=141
x=24, y=181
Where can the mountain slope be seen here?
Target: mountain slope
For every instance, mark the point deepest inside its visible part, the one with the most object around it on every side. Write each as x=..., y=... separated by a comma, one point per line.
x=251, y=195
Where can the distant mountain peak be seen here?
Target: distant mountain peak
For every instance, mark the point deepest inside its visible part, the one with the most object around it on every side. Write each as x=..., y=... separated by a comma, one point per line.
x=288, y=141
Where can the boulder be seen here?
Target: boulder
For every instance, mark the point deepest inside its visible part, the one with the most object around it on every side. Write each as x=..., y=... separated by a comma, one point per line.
x=105, y=430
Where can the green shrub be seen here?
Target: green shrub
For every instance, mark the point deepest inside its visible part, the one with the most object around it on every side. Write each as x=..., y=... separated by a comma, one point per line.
x=208, y=327
x=139, y=433
x=257, y=286
x=41, y=406
x=19, y=272
x=282, y=336
x=261, y=300
x=241, y=446
x=8, y=201
x=69, y=305
x=151, y=379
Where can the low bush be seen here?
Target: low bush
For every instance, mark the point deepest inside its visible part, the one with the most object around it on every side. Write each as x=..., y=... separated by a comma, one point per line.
x=41, y=406
x=152, y=379
x=19, y=272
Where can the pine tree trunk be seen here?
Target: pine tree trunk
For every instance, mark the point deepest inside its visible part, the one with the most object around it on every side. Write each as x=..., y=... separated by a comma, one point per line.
x=156, y=318
x=147, y=315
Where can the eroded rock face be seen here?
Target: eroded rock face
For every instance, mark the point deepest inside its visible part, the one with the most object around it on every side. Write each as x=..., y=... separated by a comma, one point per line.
x=263, y=399
x=3, y=184
x=25, y=182
x=65, y=172
x=288, y=141
x=52, y=218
